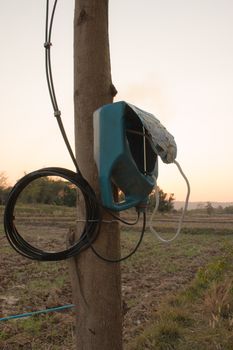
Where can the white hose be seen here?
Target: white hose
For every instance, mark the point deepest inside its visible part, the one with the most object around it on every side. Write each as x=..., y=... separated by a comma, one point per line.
x=183, y=211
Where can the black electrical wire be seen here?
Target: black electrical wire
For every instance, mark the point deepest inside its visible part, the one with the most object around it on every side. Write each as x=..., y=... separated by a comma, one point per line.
x=126, y=222
x=128, y=255
x=118, y=218
x=92, y=224
x=93, y=218
x=49, y=77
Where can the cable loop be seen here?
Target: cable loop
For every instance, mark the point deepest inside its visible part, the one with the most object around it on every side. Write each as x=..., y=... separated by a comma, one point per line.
x=90, y=230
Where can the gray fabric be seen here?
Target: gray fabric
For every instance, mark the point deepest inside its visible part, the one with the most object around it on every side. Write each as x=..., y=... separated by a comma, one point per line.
x=162, y=142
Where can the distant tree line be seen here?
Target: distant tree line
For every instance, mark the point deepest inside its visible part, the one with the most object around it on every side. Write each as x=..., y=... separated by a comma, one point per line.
x=211, y=210
x=166, y=201
x=4, y=192
x=228, y=210
x=44, y=190
x=55, y=191
x=4, y=188
x=47, y=190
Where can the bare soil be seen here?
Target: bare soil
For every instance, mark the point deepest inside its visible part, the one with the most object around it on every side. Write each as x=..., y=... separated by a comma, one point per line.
x=155, y=272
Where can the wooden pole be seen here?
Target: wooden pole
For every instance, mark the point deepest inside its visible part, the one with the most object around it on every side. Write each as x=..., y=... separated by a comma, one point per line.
x=96, y=284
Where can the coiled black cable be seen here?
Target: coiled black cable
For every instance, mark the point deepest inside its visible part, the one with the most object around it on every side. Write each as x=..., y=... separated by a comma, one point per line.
x=91, y=229
x=92, y=224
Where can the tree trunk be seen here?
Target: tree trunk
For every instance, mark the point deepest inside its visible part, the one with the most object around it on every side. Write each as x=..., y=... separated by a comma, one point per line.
x=96, y=284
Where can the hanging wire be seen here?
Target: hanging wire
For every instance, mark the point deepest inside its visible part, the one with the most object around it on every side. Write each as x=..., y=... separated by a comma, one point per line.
x=49, y=77
x=128, y=255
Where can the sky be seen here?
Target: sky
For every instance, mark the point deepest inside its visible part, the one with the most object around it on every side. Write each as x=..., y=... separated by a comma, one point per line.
x=172, y=58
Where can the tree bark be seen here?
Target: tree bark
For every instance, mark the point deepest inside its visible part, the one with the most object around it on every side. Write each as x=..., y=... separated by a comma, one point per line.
x=96, y=284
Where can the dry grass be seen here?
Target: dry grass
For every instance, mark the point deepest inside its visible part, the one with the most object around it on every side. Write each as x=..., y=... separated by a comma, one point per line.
x=176, y=296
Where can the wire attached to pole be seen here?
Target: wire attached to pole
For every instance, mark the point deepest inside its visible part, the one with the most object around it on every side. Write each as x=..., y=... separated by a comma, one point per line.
x=128, y=255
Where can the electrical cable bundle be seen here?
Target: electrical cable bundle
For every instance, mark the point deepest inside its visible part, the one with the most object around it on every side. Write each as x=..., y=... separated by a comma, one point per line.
x=92, y=223
x=93, y=208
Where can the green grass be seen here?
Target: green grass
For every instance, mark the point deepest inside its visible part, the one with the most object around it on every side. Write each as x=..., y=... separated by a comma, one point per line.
x=199, y=317
x=205, y=277
x=41, y=210
x=38, y=333
x=32, y=325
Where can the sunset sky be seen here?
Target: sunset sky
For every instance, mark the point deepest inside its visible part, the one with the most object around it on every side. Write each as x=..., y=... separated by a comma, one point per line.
x=173, y=58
